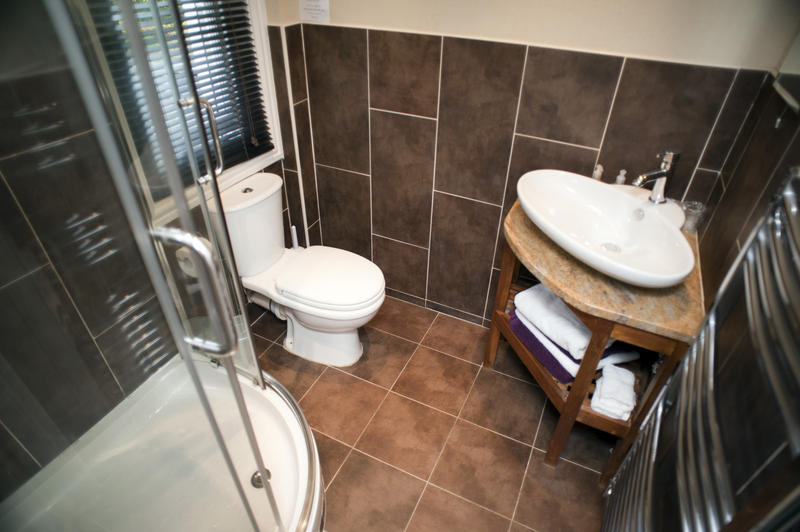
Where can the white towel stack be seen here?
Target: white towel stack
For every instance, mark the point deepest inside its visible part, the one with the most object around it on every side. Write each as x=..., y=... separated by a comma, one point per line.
x=553, y=318
x=614, y=395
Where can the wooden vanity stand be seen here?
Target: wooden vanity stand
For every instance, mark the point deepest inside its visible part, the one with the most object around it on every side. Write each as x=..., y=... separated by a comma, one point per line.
x=664, y=320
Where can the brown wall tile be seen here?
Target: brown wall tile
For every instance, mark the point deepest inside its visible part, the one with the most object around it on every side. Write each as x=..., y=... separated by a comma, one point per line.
x=297, y=64
x=404, y=266
x=480, y=88
x=402, y=176
x=344, y=210
x=336, y=60
x=743, y=93
x=315, y=234
x=567, y=95
x=461, y=250
x=701, y=186
x=745, y=192
x=306, y=161
x=281, y=94
x=404, y=72
x=662, y=106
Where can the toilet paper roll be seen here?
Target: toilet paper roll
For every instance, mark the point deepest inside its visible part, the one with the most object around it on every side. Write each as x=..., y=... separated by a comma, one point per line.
x=186, y=260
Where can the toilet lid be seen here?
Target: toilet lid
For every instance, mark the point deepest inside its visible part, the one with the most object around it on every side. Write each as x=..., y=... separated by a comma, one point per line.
x=331, y=278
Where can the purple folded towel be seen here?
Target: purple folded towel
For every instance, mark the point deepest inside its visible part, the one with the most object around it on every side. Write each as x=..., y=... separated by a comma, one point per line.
x=548, y=360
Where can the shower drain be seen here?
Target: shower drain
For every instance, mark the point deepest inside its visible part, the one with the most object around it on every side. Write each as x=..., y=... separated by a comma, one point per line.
x=608, y=246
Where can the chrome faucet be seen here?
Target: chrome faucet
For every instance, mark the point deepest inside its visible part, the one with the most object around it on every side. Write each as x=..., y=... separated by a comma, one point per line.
x=668, y=160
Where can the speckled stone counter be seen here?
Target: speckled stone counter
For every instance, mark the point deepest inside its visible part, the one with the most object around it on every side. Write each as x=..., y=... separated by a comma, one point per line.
x=676, y=312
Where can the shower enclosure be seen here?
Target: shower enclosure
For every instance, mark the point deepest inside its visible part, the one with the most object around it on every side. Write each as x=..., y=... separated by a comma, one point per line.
x=203, y=439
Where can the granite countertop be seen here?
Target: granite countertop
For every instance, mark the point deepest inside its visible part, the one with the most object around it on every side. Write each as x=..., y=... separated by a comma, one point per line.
x=676, y=312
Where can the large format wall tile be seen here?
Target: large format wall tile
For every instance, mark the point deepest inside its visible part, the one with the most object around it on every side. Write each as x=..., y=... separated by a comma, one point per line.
x=281, y=94
x=742, y=95
x=760, y=159
x=297, y=64
x=19, y=249
x=404, y=266
x=18, y=466
x=480, y=87
x=46, y=348
x=567, y=95
x=461, y=250
x=344, y=210
x=404, y=72
x=336, y=59
x=402, y=176
x=662, y=106
x=66, y=192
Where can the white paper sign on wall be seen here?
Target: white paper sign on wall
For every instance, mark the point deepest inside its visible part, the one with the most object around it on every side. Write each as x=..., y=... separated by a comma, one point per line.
x=315, y=11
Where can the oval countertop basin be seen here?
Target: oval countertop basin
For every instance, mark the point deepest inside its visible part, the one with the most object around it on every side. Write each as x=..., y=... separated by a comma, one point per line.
x=609, y=230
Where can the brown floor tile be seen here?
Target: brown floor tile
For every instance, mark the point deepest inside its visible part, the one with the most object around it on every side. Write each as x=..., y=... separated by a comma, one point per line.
x=403, y=319
x=516, y=527
x=504, y=404
x=439, y=510
x=331, y=455
x=438, y=380
x=457, y=338
x=341, y=405
x=407, y=435
x=565, y=497
x=369, y=495
x=483, y=467
x=384, y=357
x=260, y=344
x=294, y=372
x=509, y=363
x=586, y=446
x=253, y=312
x=269, y=326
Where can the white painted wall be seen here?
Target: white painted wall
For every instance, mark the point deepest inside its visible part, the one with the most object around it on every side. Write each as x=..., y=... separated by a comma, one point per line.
x=731, y=33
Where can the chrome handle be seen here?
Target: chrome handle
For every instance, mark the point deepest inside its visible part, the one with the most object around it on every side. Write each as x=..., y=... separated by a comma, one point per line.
x=209, y=275
x=212, y=121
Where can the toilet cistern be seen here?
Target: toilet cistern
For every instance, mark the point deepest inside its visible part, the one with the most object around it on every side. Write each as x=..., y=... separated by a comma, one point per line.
x=668, y=160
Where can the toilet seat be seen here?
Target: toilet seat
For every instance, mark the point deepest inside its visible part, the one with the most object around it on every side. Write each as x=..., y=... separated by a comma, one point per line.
x=321, y=280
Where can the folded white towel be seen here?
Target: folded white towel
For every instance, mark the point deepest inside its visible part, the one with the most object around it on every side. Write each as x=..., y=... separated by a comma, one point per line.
x=552, y=316
x=566, y=363
x=614, y=395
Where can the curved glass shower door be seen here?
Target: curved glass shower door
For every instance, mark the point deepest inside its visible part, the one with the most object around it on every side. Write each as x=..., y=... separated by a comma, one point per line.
x=129, y=64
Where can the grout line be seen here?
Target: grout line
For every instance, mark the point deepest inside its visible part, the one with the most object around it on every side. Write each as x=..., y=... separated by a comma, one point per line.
x=24, y=275
x=401, y=114
x=14, y=437
x=311, y=136
x=458, y=310
x=433, y=180
x=741, y=127
x=398, y=394
x=563, y=143
x=528, y=464
x=410, y=295
x=570, y=461
x=342, y=169
x=140, y=307
x=301, y=101
x=491, y=430
x=400, y=242
x=763, y=466
x=610, y=111
x=369, y=150
x=441, y=451
x=313, y=383
x=495, y=512
x=710, y=134
x=700, y=168
x=508, y=175
x=64, y=286
x=46, y=145
x=361, y=451
x=470, y=199
x=450, y=355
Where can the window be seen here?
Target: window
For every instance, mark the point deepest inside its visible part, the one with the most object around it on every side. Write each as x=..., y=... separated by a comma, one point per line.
x=229, y=61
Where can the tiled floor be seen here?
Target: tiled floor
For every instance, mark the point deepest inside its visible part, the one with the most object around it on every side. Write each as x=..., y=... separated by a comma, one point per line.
x=419, y=436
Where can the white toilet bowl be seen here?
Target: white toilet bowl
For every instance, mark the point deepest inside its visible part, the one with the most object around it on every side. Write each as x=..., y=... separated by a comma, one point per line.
x=325, y=294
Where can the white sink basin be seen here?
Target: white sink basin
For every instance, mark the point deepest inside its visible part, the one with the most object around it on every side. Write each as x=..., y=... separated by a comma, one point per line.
x=605, y=227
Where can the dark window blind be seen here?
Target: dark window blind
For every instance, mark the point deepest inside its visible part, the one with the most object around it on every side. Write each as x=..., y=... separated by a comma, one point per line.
x=223, y=64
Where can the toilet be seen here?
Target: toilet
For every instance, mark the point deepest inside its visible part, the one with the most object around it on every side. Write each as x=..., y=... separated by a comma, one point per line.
x=325, y=294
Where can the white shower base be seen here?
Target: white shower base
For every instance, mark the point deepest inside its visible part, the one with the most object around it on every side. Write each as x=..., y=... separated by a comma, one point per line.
x=153, y=464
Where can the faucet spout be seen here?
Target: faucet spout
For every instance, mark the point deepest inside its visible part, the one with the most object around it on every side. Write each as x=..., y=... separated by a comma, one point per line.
x=659, y=177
